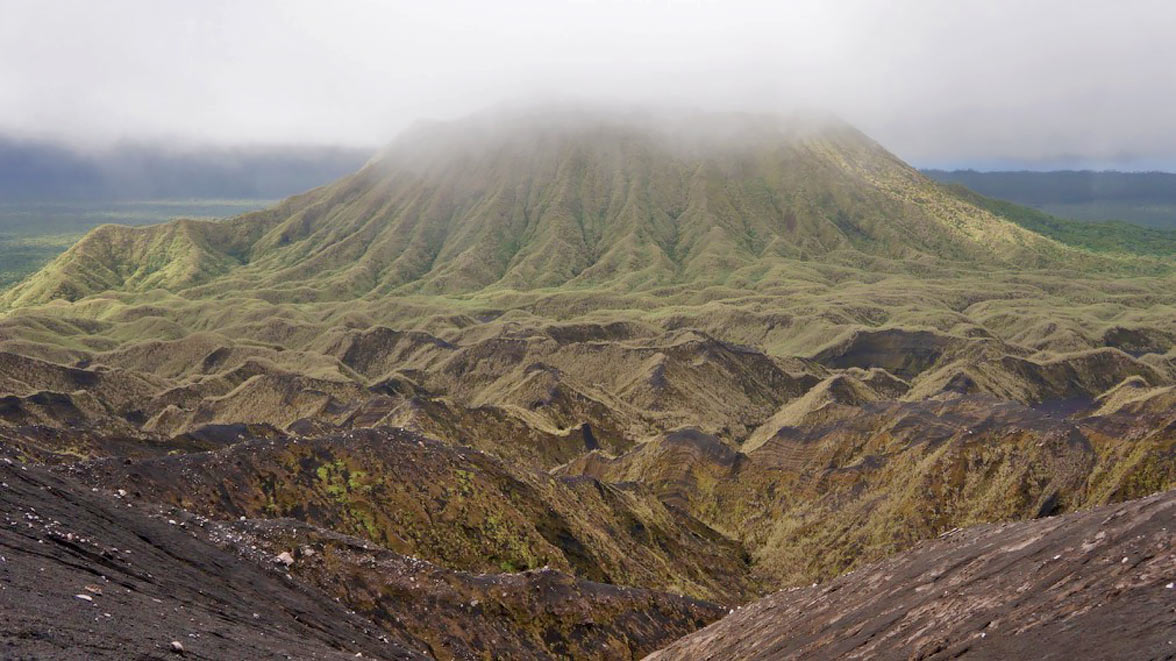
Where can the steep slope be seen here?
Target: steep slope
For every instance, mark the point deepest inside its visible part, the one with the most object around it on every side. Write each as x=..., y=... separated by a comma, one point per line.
x=453, y=506
x=113, y=257
x=858, y=483
x=1096, y=584
x=93, y=575
x=86, y=576
x=534, y=614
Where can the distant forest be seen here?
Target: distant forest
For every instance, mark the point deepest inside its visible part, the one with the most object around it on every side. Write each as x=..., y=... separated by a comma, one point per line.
x=49, y=172
x=1146, y=198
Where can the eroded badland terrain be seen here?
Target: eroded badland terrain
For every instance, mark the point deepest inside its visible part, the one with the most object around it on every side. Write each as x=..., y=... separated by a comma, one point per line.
x=579, y=385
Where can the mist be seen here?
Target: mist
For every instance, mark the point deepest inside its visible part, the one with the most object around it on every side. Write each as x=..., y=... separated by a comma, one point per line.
x=39, y=171
x=941, y=84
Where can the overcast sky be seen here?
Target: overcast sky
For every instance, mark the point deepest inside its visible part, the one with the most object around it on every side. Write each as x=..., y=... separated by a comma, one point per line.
x=988, y=83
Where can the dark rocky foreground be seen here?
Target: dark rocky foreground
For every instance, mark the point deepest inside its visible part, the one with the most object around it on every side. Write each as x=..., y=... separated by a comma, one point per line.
x=84, y=575
x=1090, y=585
x=89, y=574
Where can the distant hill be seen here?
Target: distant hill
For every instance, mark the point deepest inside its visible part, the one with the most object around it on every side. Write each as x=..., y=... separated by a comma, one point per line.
x=1145, y=198
x=46, y=171
x=570, y=201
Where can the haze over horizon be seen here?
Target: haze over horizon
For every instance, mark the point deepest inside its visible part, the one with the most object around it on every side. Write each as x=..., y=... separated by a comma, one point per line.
x=971, y=84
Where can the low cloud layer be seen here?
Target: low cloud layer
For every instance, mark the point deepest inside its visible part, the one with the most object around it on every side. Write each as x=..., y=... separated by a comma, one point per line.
x=989, y=84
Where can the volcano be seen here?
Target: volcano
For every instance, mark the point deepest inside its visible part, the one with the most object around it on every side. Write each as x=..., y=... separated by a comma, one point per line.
x=655, y=364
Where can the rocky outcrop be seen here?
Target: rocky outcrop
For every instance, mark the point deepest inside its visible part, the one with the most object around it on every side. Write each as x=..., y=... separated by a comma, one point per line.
x=454, y=506
x=89, y=575
x=1095, y=584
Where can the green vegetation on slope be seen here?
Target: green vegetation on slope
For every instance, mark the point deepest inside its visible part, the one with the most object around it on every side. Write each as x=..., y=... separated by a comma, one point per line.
x=1105, y=236
x=33, y=233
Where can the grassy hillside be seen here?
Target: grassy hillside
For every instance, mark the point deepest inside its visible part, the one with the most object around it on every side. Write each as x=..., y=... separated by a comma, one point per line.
x=33, y=233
